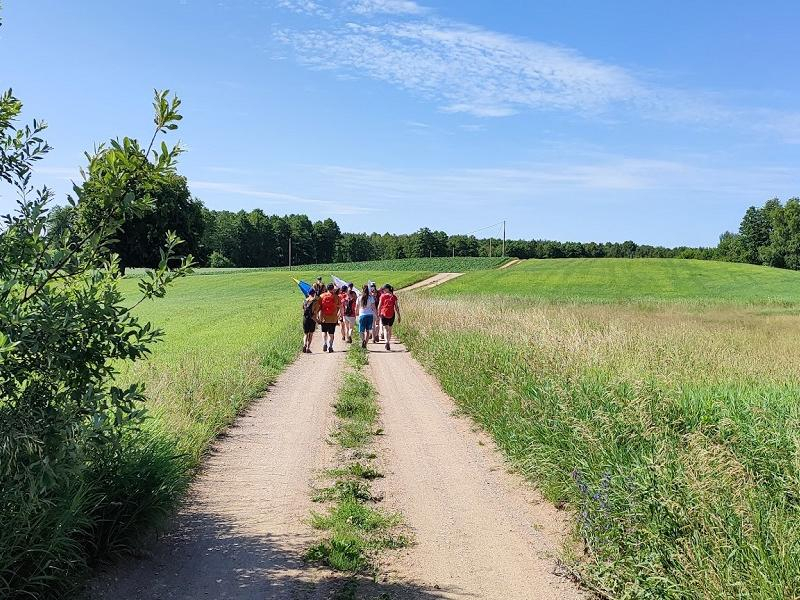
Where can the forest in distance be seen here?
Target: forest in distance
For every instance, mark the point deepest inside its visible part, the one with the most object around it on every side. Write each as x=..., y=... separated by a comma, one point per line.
x=768, y=235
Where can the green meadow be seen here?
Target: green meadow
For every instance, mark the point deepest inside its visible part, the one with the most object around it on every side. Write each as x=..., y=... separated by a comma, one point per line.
x=634, y=280
x=436, y=264
x=657, y=400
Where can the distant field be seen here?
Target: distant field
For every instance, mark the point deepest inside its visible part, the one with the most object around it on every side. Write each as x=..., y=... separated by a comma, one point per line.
x=433, y=265
x=670, y=428
x=633, y=280
x=226, y=339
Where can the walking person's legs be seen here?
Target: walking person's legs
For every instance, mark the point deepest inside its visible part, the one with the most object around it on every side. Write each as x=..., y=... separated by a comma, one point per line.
x=388, y=323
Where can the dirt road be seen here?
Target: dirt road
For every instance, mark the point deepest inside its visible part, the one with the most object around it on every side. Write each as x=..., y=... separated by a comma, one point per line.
x=243, y=531
x=480, y=532
x=511, y=263
x=438, y=279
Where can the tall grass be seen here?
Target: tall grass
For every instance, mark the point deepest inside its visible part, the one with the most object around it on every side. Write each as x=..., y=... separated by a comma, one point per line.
x=672, y=433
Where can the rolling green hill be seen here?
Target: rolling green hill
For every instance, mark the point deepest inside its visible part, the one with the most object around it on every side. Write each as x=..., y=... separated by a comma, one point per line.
x=460, y=264
x=621, y=279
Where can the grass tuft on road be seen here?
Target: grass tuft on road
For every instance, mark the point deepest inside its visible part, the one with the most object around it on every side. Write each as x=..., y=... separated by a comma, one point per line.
x=356, y=528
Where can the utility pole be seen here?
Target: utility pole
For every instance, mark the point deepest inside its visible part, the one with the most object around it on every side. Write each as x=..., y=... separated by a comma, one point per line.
x=504, y=238
x=490, y=247
x=290, y=253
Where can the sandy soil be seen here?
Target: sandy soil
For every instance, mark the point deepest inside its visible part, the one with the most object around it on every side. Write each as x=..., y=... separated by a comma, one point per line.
x=480, y=532
x=511, y=263
x=431, y=281
x=243, y=530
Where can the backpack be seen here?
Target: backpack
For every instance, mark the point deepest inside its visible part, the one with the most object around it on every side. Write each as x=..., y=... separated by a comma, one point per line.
x=308, y=310
x=328, y=303
x=350, y=308
x=388, y=302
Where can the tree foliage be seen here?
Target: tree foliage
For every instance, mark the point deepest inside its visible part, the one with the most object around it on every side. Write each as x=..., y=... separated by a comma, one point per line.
x=769, y=235
x=64, y=329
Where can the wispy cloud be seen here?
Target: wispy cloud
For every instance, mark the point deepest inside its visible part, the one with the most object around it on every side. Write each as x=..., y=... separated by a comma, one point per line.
x=581, y=178
x=473, y=70
x=467, y=69
x=393, y=7
x=289, y=201
x=305, y=7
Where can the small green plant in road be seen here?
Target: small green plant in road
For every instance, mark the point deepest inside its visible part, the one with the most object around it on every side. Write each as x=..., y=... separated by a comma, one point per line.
x=357, y=357
x=357, y=470
x=357, y=409
x=356, y=529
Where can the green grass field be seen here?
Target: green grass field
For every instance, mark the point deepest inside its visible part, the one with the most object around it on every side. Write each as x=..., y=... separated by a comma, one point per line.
x=634, y=280
x=459, y=264
x=660, y=403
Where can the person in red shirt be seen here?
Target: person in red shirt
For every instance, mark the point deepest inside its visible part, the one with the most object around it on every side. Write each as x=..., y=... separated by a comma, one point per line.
x=349, y=310
x=388, y=309
x=328, y=316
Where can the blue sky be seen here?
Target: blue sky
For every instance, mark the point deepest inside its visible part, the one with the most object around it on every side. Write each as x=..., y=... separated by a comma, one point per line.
x=572, y=120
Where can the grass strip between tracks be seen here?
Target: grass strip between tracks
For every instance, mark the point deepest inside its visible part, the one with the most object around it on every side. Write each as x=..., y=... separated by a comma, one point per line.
x=356, y=530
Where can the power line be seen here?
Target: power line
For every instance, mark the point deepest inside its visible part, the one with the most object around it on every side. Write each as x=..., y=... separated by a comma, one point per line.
x=484, y=228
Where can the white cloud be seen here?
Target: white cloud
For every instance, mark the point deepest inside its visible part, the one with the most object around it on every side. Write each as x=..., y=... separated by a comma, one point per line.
x=583, y=178
x=393, y=7
x=333, y=207
x=305, y=7
x=472, y=70
x=467, y=69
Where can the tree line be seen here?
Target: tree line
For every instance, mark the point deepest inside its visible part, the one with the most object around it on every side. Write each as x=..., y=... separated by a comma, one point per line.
x=769, y=235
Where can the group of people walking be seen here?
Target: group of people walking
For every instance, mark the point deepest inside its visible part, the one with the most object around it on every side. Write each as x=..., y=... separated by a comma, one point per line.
x=370, y=313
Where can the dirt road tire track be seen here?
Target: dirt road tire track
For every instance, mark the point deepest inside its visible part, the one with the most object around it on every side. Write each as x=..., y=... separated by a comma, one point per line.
x=243, y=529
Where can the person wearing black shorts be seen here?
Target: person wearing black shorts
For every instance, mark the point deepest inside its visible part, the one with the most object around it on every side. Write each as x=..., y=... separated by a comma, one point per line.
x=329, y=315
x=388, y=309
x=310, y=310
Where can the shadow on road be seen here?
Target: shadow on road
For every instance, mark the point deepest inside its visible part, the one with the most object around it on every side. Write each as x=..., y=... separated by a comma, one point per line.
x=206, y=556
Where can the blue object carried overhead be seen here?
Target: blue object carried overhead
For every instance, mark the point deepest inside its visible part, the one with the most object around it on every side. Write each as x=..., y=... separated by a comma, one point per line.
x=304, y=287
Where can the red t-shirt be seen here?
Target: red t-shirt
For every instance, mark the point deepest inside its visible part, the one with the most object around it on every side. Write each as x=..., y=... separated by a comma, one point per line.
x=388, y=303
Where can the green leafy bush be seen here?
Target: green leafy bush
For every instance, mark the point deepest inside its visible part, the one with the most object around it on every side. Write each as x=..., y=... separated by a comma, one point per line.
x=77, y=477
x=218, y=260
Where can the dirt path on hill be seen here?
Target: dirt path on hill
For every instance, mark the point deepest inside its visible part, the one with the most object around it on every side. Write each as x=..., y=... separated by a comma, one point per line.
x=242, y=532
x=430, y=282
x=480, y=532
x=511, y=263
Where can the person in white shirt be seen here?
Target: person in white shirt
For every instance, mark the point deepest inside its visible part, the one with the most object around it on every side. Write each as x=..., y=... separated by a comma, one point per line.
x=366, y=315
